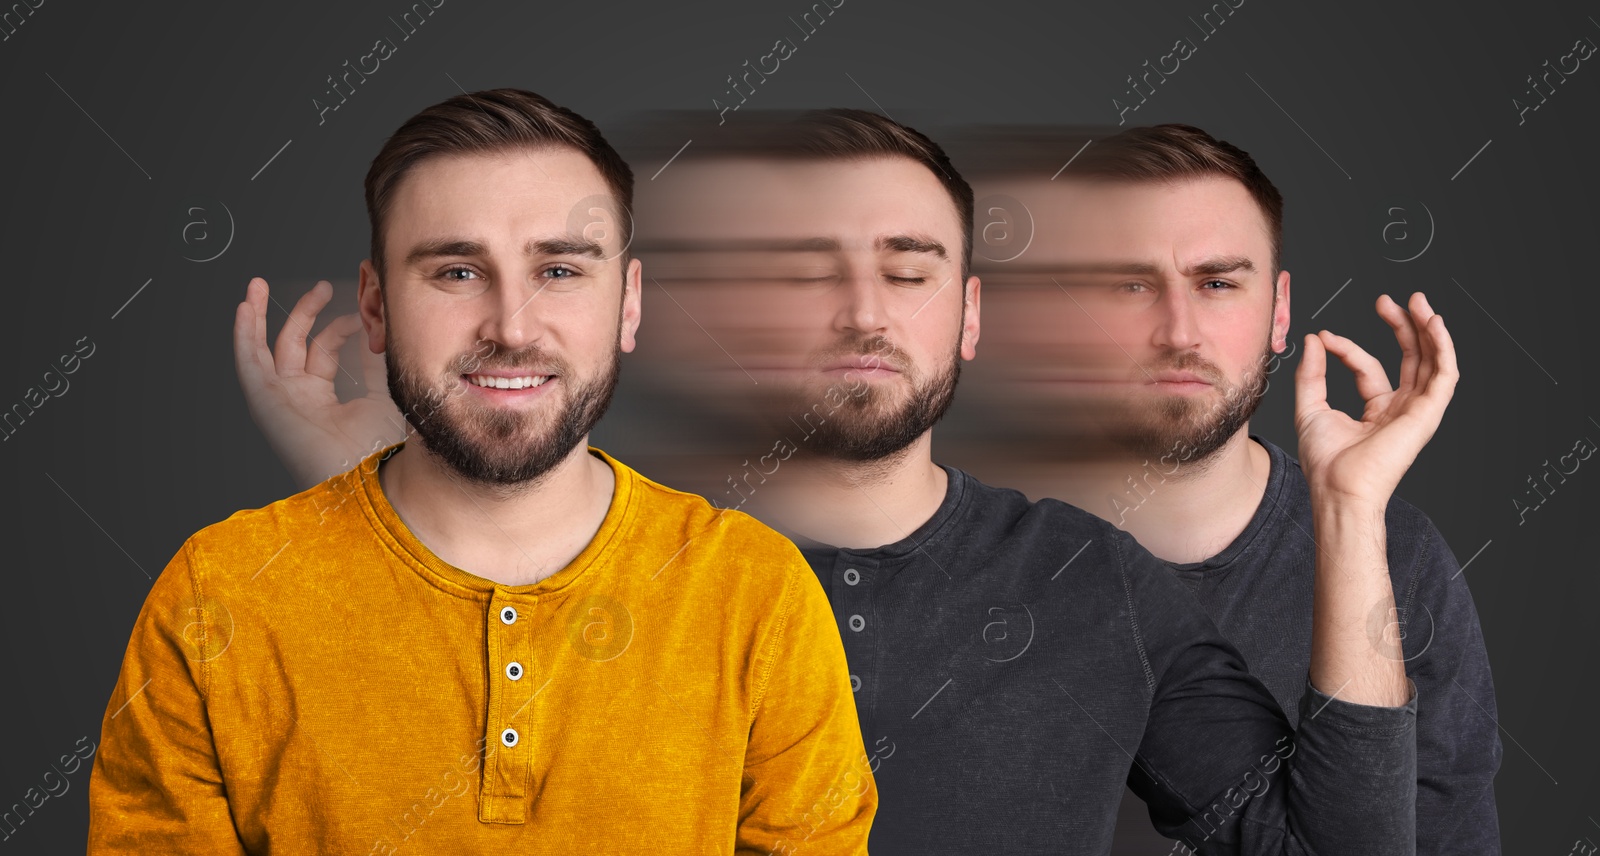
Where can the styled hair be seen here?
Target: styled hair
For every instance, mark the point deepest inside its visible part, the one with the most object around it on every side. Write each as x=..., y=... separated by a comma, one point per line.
x=844, y=134
x=491, y=121
x=1176, y=152
x=818, y=135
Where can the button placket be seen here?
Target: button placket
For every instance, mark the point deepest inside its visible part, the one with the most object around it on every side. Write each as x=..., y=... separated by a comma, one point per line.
x=851, y=598
x=508, y=763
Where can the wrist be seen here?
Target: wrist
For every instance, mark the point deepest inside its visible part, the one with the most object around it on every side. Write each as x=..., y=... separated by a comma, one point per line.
x=1343, y=503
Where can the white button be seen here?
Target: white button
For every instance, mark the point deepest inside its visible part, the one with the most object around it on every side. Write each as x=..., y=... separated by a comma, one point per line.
x=855, y=684
x=514, y=671
x=509, y=737
x=508, y=615
x=851, y=576
x=857, y=623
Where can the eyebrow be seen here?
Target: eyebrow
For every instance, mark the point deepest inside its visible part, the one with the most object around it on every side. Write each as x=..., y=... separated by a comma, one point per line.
x=911, y=244
x=891, y=243
x=1212, y=266
x=1137, y=268
x=737, y=245
x=1221, y=264
x=562, y=245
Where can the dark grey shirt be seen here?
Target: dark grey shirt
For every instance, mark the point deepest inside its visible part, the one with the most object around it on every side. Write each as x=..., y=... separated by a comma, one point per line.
x=1018, y=662
x=1259, y=592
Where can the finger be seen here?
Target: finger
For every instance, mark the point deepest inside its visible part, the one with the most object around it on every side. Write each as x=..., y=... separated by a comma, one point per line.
x=251, y=359
x=374, y=372
x=1442, y=385
x=1422, y=413
x=1421, y=312
x=322, y=360
x=290, y=353
x=1405, y=333
x=1421, y=308
x=1371, y=380
x=1311, y=380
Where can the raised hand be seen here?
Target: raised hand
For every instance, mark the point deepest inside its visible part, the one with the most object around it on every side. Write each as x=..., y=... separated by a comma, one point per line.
x=290, y=390
x=1364, y=460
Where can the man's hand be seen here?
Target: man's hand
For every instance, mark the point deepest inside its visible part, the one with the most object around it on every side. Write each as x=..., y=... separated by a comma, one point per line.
x=1364, y=460
x=290, y=390
x=1353, y=468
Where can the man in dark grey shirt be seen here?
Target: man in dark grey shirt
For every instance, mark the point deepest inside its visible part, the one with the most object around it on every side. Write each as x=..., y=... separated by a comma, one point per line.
x=1259, y=590
x=1014, y=659
x=1015, y=662
x=1150, y=246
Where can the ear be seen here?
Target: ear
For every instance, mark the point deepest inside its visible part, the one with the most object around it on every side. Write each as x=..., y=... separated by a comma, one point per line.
x=1280, y=314
x=369, y=302
x=969, y=318
x=632, y=298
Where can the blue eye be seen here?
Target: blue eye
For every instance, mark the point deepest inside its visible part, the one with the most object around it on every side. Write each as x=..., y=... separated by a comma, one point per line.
x=445, y=274
x=566, y=272
x=1221, y=282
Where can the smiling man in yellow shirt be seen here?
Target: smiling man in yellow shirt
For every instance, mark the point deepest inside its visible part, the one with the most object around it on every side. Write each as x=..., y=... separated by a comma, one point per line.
x=491, y=638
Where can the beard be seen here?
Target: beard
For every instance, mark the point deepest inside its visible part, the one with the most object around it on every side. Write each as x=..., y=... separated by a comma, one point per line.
x=868, y=424
x=1188, y=428
x=501, y=446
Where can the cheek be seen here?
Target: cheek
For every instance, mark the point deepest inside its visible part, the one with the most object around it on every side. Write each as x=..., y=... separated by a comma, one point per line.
x=1124, y=325
x=1242, y=354
x=1235, y=326
x=785, y=326
x=930, y=348
x=589, y=335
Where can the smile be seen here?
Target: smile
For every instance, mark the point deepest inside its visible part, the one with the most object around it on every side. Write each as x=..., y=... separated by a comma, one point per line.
x=494, y=382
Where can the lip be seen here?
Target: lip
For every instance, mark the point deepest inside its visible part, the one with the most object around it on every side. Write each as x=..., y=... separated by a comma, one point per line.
x=865, y=365
x=497, y=394
x=1179, y=378
x=1181, y=388
x=520, y=373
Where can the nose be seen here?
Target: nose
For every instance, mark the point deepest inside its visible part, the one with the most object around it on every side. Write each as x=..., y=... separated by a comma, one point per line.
x=1177, y=327
x=511, y=313
x=861, y=305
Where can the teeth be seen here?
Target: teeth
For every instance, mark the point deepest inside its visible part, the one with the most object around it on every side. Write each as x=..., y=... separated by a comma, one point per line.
x=508, y=382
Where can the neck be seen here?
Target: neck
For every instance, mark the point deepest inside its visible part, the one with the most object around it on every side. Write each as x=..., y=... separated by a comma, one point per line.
x=512, y=535
x=1181, y=511
x=855, y=504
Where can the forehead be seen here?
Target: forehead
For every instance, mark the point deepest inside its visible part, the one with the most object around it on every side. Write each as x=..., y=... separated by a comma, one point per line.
x=853, y=201
x=1077, y=220
x=513, y=192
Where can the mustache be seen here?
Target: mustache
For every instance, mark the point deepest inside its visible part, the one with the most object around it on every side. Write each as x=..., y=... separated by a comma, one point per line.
x=531, y=357
x=889, y=354
x=1188, y=361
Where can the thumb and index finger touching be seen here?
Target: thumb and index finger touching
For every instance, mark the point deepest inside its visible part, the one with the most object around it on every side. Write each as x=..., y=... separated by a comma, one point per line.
x=1428, y=368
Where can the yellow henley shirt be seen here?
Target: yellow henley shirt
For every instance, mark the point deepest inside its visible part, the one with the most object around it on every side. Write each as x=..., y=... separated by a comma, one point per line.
x=308, y=677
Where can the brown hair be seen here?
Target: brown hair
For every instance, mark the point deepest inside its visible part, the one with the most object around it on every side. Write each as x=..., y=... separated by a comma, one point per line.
x=846, y=134
x=493, y=120
x=823, y=135
x=1174, y=152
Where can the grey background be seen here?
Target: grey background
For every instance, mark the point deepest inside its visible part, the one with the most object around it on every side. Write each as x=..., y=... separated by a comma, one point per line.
x=121, y=119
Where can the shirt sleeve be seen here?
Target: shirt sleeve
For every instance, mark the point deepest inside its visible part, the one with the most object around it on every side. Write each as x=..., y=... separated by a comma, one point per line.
x=156, y=786
x=807, y=786
x=1219, y=766
x=1458, y=740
